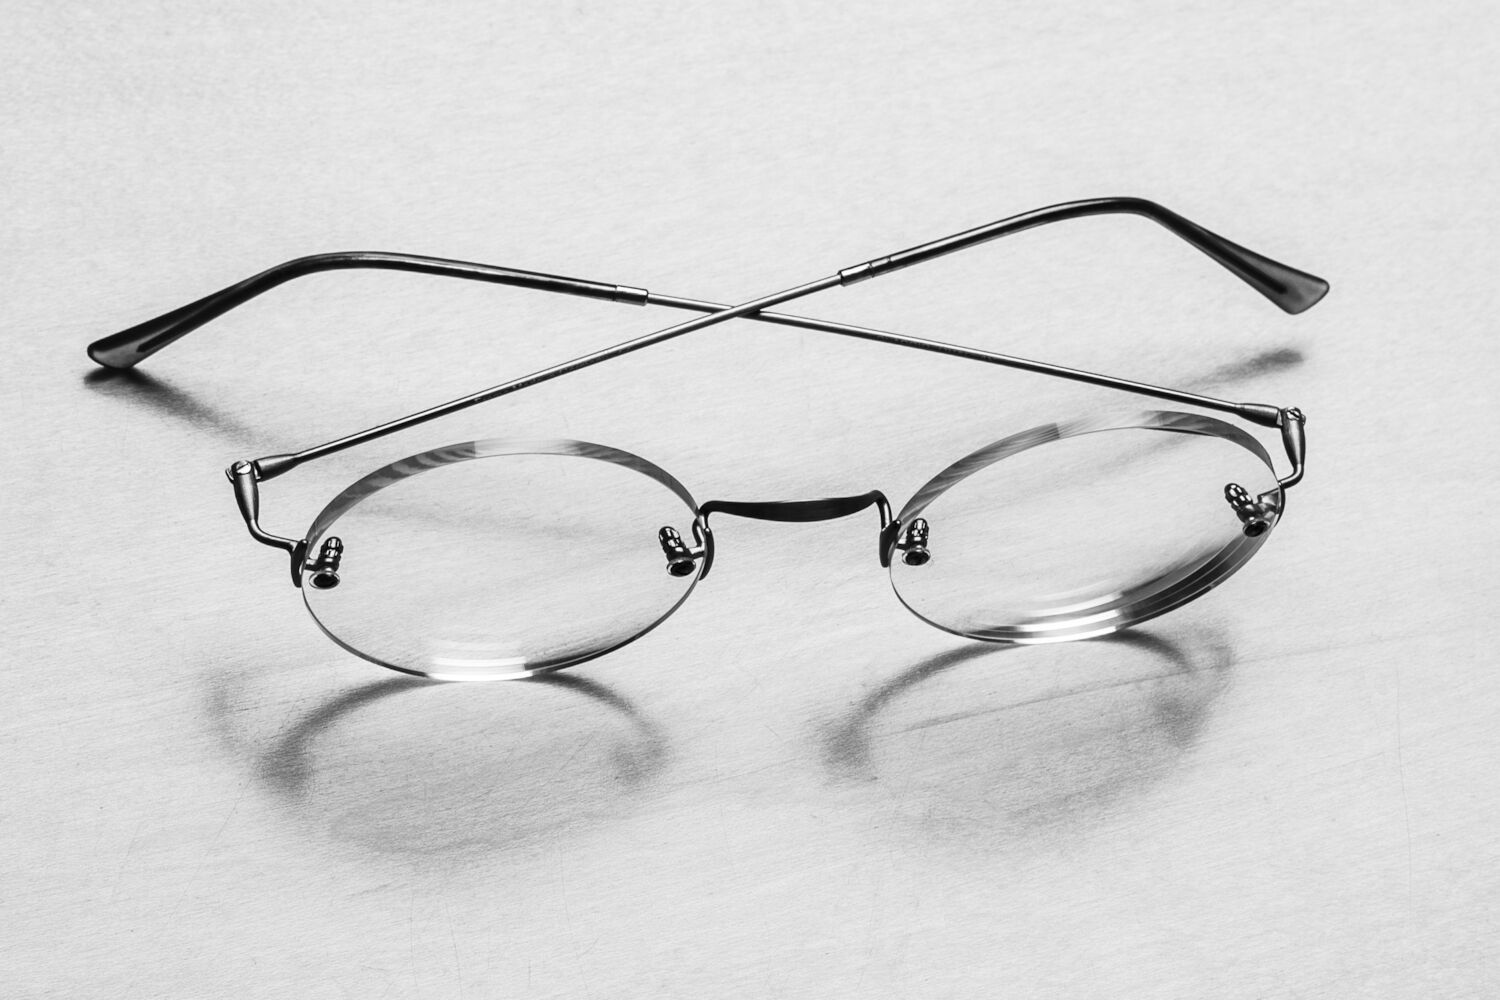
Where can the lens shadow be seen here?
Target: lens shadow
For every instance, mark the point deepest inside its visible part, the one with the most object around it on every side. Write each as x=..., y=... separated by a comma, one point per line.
x=1002, y=742
x=407, y=766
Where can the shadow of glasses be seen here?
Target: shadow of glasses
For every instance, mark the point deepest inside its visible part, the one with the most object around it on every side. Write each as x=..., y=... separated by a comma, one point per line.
x=158, y=395
x=452, y=768
x=1261, y=365
x=1062, y=735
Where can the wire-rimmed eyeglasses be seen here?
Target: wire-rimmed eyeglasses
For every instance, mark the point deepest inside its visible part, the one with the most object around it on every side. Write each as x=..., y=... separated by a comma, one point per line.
x=502, y=559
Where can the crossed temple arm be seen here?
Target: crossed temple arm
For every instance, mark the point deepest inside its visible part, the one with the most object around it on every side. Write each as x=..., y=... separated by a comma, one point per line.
x=1290, y=289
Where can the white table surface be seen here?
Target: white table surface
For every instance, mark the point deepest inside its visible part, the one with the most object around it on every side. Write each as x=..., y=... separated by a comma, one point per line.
x=792, y=788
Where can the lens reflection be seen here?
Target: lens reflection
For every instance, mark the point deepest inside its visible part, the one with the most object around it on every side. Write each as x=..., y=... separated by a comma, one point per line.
x=482, y=563
x=1068, y=531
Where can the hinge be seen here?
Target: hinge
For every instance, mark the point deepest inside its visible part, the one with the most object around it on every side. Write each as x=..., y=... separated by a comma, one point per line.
x=244, y=477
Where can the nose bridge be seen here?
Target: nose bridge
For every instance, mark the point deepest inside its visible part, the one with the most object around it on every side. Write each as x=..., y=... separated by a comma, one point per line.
x=683, y=560
x=824, y=509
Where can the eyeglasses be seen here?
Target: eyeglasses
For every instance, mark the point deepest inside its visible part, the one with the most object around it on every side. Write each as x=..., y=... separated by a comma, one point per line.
x=500, y=559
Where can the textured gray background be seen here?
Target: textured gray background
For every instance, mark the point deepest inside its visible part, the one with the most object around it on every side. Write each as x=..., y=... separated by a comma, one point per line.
x=792, y=789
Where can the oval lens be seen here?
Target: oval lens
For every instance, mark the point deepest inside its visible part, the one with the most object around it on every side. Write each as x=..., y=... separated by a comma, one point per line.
x=1069, y=531
x=495, y=560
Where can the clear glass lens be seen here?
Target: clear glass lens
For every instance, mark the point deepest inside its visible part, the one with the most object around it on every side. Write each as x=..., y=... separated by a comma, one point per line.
x=1067, y=532
x=476, y=563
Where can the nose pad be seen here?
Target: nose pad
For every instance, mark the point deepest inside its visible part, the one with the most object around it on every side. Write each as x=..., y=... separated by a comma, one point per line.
x=913, y=543
x=325, y=568
x=1255, y=515
x=681, y=560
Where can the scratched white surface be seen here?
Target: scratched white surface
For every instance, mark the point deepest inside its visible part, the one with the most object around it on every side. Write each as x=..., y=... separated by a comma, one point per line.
x=793, y=788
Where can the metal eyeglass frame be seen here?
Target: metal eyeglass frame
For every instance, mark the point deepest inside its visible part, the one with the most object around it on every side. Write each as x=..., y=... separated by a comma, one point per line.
x=1292, y=290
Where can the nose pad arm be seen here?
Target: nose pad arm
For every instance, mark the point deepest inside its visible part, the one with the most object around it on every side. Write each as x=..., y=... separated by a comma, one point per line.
x=908, y=539
x=681, y=558
x=913, y=543
x=325, y=568
x=1255, y=514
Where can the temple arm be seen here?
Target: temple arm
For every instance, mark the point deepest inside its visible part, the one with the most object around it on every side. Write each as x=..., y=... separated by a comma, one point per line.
x=174, y=325
x=1293, y=290
x=1289, y=288
x=130, y=347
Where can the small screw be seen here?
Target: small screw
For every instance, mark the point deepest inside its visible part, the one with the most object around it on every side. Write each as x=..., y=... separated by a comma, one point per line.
x=325, y=568
x=1253, y=514
x=681, y=560
x=913, y=544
